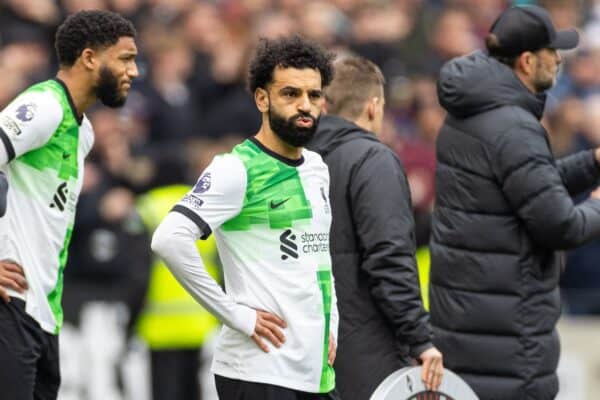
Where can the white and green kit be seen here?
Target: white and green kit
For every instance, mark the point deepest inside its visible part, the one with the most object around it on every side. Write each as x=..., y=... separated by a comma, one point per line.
x=44, y=146
x=271, y=217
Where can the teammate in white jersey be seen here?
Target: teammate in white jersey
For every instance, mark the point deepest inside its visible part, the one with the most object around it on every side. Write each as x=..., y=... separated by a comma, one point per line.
x=267, y=203
x=44, y=138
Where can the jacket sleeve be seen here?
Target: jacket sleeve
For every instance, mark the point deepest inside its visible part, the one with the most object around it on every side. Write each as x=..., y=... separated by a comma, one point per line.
x=535, y=189
x=382, y=214
x=579, y=172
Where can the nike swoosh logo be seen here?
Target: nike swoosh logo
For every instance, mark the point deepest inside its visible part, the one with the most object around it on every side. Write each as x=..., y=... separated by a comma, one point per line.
x=275, y=205
x=66, y=155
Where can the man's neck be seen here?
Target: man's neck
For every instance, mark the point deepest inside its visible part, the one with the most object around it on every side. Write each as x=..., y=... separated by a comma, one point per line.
x=272, y=142
x=79, y=90
x=364, y=123
x=526, y=82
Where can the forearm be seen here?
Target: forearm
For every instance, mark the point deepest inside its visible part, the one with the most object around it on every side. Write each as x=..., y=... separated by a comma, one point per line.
x=174, y=241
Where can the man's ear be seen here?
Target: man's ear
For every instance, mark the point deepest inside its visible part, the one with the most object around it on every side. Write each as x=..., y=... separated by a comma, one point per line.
x=372, y=108
x=525, y=62
x=89, y=58
x=261, y=97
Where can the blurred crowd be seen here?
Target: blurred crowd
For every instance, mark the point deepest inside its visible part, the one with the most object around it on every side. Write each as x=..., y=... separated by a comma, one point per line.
x=190, y=102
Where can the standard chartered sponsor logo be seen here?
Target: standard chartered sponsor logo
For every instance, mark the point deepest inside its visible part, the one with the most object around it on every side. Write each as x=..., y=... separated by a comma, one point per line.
x=288, y=245
x=309, y=243
x=315, y=242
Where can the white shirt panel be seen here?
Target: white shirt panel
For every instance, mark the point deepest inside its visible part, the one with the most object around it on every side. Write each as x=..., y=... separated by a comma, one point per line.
x=29, y=121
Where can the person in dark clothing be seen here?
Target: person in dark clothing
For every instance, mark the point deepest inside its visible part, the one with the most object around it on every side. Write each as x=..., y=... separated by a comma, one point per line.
x=382, y=320
x=503, y=210
x=110, y=259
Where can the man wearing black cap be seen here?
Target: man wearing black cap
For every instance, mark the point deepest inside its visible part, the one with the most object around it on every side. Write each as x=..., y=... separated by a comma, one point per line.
x=504, y=211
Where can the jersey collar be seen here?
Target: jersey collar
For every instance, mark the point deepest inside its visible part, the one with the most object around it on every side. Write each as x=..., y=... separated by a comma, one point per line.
x=78, y=118
x=289, y=161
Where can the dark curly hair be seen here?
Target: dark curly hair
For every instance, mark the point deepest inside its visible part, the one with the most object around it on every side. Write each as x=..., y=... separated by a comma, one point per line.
x=92, y=29
x=288, y=52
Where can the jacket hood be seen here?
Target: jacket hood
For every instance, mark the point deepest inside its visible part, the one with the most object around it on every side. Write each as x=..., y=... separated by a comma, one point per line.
x=334, y=131
x=476, y=83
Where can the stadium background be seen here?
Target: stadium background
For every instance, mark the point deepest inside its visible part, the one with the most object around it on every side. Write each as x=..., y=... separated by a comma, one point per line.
x=190, y=102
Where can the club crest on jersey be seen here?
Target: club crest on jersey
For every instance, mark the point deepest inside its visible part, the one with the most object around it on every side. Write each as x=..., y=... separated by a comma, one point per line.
x=26, y=112
x=203, y=183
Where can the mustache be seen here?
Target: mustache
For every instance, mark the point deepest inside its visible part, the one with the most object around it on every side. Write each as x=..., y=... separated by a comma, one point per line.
x=303, y=115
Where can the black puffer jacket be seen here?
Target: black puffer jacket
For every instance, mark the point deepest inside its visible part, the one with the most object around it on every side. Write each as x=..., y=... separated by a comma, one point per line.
x=503, y=209
x=382, y=320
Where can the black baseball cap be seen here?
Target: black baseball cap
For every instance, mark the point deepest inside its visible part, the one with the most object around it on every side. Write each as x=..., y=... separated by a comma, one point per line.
x=529, y=28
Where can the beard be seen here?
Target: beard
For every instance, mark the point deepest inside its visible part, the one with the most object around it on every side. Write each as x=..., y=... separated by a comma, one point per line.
x=107, y=89
x=543, y=83
x=288, y=131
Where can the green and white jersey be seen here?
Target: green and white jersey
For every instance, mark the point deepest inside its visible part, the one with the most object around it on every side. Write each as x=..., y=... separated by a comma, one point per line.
x=44, y=149
x=271, y=217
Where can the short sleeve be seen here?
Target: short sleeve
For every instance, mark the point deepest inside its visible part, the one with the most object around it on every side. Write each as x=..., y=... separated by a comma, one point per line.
x=218, y=196
x=27, y=123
